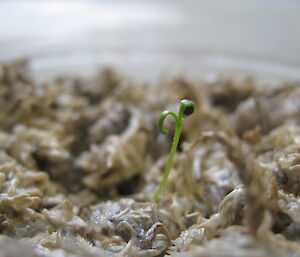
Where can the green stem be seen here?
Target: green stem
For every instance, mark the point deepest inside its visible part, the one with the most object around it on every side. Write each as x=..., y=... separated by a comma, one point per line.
x=186, y=108
x=170, y=159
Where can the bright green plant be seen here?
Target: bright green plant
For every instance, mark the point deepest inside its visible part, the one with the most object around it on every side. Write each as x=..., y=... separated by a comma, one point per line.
x=186, y=108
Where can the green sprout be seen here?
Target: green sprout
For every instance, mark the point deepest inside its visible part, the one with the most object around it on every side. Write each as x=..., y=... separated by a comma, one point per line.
x=186, y=108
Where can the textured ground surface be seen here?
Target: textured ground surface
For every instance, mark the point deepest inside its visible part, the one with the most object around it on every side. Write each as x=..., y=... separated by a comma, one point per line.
x=80, y=160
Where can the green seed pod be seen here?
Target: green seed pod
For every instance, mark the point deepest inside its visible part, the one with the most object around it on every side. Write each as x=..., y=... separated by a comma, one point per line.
x=186, y=108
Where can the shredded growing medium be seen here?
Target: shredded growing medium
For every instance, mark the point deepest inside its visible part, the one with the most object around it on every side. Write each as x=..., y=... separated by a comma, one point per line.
x=80, y=160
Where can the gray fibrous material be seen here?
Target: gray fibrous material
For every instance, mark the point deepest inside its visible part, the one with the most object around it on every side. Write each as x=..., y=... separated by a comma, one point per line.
x=80, y=160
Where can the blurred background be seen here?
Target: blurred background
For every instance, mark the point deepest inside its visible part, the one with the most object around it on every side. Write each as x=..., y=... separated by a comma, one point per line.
x=148, y=39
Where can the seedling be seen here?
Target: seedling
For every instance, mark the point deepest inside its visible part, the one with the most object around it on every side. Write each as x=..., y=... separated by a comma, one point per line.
x=186, y=108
